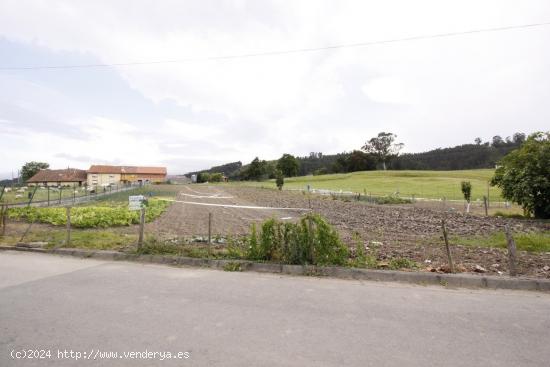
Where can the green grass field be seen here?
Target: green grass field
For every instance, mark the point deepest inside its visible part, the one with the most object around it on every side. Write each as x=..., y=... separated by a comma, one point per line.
x=425, y=184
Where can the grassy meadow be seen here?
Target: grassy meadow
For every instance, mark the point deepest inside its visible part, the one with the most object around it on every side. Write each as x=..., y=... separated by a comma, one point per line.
x=425, y=184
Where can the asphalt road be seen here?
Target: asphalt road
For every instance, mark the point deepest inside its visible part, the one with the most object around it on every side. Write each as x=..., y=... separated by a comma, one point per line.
x=246, y=319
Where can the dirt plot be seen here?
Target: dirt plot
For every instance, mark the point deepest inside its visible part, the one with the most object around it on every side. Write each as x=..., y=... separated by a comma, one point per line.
x=391, y=231
x=387, y=231
x=187, y=217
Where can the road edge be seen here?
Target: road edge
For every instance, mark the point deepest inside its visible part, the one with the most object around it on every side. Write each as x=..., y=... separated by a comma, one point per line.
x=422, y=278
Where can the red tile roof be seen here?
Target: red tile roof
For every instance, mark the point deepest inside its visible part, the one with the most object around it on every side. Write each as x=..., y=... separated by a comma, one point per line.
x=59, y=175
x=128, y=170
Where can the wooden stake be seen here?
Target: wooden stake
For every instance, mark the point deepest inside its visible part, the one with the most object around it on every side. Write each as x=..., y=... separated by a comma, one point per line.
x=141, y=227
x=487, y=194
x=310, y=230
x=68, y=241
x=4, y=217
x=511, y=252
x=486, y=206
x=209, y=234
x=209, y=228
x=447, y=248
x=3, y=213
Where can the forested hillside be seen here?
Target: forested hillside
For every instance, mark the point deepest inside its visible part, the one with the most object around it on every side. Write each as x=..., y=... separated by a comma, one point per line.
x=461, y=157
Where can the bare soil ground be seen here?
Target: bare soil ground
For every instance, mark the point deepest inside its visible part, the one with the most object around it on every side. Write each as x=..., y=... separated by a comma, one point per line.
x=185, y=218
x=387, y=231
x=410, y=231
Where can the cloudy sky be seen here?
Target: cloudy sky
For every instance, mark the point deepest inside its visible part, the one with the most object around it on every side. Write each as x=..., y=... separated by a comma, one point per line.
x=203, y=111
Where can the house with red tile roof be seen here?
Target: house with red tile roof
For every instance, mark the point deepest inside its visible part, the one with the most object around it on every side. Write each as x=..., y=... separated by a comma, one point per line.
x=59, y=177
x=105, y=175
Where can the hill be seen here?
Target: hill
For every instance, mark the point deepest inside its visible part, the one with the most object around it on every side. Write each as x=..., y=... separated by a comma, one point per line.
x=422, y=184
x=461, y=157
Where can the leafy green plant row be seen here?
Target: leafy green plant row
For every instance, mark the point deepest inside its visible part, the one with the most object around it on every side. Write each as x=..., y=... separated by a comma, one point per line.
x=89, y=216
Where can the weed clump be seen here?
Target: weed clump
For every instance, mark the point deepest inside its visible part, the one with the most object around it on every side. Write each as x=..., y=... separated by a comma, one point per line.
x=310, y=241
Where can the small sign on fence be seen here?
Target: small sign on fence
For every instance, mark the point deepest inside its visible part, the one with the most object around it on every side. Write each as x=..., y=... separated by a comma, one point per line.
x=136, y=202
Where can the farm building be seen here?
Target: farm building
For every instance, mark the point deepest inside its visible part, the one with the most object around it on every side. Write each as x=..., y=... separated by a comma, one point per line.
x=59, y=177
x=101, y=175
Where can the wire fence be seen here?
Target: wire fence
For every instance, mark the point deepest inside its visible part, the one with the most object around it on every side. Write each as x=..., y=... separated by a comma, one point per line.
x=373, y=196
x=62, y=195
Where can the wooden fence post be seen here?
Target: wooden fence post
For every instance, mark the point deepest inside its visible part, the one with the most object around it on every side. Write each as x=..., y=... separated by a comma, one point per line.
x=485, y=203
x=209, y=228
x=3, y=214
x=141, y=227
x=68, y=240
x=447, y=248
x=511, y=252
x=310, y=230
x=488, y=205
x=209, y=234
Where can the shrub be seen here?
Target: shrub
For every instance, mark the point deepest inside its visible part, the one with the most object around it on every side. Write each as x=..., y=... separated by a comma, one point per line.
x=310, y=241
x=402, y=263
x=216, y=177
x=385, y=200
x=279, y=179
x=523, y=175
x=466, y=188
x=232, y=266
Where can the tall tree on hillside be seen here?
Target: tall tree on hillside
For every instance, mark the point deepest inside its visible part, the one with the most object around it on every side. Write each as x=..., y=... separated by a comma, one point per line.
x=519, y=138
x=383, y=147
x=288, y=165
x=30, y=169
x=524, y=175
x=255, y=170
x=497, y=141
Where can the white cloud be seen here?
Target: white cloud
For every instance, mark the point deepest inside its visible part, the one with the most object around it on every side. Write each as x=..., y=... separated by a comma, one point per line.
x=388, y=90
x=431, y=92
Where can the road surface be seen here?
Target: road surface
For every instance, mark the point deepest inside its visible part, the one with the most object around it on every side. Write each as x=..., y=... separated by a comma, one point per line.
x=64, y=305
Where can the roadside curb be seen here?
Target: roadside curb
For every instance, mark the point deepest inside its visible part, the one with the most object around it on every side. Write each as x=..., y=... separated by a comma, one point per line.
x=423, y=278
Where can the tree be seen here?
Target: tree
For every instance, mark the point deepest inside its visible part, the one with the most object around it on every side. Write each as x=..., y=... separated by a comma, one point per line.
x=279, y=179
x=255, y=170
x=288, y=165
x=30, y=169
x=466, y=188
x=216, y=177
x=478, y=141
x=271, y=169
x=360, y=161
x=383, y=147
x=524, y=175
x=519, y=138
x=497, y=141
x=203, y=177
